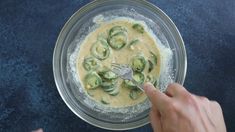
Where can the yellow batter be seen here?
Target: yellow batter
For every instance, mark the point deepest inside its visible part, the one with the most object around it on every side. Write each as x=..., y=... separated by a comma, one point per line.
x=145, y=45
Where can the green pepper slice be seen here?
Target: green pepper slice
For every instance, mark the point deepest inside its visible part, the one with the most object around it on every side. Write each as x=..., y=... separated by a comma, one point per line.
x=150, y=78
x=135, y=94
x=138, y=63
x=109, y=85
x=116, y=29
x=92, y=80
x=100, y=49
x=105, y=100
x=114, y=92
x=118, y=40
x=133, y=42
x=139, y=28
x=150, y=66
x=107, y=74
x=138, y=77
x=90, y=63
x=153, y=57
x=156, y=83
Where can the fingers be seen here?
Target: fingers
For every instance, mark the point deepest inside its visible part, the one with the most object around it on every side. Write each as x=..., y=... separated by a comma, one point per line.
x=155, y=119
x=157, y=98
x=200, y=97
x=175, y=89
x=218, y=111
x=216, y=107
x=203, y=102
x=215, y=104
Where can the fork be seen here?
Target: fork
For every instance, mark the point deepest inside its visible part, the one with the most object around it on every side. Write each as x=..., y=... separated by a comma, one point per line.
x=125, y=72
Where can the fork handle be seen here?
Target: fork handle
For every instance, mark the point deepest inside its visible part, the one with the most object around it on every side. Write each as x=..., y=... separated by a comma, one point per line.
x=140, y=86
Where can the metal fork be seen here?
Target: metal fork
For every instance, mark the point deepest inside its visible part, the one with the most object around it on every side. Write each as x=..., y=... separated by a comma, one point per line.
x=125, y=72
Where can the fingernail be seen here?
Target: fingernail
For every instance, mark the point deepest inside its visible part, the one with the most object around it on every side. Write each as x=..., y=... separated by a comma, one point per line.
x=148, y=88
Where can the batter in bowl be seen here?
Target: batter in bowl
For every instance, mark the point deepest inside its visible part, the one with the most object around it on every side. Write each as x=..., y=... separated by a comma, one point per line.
x=124, y=42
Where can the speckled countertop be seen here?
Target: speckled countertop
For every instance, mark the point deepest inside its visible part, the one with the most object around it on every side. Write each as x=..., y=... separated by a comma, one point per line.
x=28, y=32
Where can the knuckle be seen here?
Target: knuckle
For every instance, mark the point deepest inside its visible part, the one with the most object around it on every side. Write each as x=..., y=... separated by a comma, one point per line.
x=175, y=106
x=172, y=86
x=204, y=100
x=175, y=89
x=188, y=98
x=175, y=85
x=216, y=104
x=172, y=107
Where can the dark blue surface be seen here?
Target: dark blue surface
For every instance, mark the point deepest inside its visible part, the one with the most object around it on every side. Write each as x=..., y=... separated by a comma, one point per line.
x=28, y=32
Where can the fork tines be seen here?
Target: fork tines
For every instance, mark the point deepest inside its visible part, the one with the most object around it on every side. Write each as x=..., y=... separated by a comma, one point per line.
x=116, y=68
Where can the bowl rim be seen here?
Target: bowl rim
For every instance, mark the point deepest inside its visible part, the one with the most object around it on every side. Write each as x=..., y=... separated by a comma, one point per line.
x=84, y=8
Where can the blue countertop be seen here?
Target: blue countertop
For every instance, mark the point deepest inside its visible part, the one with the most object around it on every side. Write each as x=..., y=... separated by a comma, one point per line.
x=28, y=32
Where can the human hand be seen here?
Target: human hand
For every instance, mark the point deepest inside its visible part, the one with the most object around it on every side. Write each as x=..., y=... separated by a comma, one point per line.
x=38, y=130
x=177, y=110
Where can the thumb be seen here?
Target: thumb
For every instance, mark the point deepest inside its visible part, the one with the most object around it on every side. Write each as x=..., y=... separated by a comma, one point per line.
x=156, y=97
x=149, y=89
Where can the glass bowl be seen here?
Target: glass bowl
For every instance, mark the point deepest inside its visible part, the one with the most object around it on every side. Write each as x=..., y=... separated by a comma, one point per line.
x=78, y=26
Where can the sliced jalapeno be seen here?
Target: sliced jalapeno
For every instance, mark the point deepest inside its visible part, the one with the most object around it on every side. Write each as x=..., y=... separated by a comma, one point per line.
x=129, y=84
x=108, y=74
x=138, y=77
x=109, y=85
x=153, y=57
x=133, y=42
x=150, y=78
x=100, y=49
x=92, y=80
x=138, y=63
x=118, y=40
x=139, y=28
x=109, y=89
x=135, y=94
x=90, y=63
x=102, y=36
x=116, y=29
x=156, y=83
x=114, y=92
x=105, y=100
x=90, y=92
x=150, y=66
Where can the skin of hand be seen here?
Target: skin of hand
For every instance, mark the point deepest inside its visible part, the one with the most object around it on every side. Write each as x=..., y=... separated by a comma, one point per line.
x=177, y=110
x=38, y=130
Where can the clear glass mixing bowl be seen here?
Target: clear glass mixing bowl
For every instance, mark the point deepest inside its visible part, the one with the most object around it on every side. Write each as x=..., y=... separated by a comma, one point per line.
x=76, y=27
